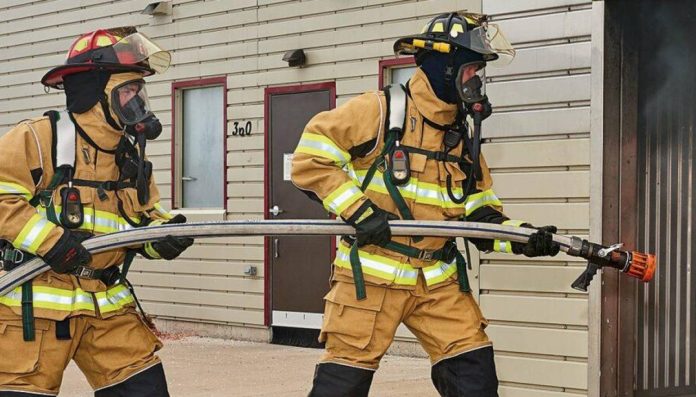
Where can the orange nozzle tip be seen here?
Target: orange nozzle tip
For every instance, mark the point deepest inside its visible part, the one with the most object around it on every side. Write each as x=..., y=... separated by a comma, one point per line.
x=642, y=266
x=650, y=268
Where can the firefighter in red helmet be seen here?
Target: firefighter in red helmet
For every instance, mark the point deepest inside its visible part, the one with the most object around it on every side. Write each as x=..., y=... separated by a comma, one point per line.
x=65, y=177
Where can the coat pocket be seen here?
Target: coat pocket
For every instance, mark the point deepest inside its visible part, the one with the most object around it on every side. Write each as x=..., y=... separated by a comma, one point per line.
x=348, y=319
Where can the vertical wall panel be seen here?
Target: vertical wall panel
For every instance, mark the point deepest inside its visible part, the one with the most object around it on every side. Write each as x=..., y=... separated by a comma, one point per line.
x=538, y=151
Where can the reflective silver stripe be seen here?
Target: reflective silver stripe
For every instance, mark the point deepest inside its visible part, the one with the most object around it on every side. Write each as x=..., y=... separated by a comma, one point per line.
x=478, y=200
x=322, y=146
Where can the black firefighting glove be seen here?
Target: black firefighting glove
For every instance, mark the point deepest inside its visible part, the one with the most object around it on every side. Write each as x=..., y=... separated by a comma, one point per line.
x=68, y=253
x=539, y=244
x=171, y=247
x=371, y=224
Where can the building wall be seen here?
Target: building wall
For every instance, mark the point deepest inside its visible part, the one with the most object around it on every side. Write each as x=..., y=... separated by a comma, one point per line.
x=537, y=144
x=538, y=150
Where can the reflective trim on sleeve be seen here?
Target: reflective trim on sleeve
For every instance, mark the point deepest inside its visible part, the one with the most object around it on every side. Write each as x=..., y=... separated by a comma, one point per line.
x=504, y=245
x=162, y=212
x=342, y=198
x=319, y=145
x=150, y=250
x=33, y=234
x=482, y=199
x=14, y=188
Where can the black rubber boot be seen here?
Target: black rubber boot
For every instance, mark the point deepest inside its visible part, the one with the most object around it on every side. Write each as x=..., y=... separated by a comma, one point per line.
x=149, y=383
x=470, y=374
x=335, y=380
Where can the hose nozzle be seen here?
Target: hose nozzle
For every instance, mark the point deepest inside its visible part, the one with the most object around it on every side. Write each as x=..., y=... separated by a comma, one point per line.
x=641, y=266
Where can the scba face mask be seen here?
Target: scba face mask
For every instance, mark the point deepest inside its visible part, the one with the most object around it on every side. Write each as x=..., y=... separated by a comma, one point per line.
x=471, y=90
x=130, y=103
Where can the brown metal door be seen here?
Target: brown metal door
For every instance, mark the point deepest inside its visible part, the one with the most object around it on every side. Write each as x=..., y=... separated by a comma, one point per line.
x=300, y=266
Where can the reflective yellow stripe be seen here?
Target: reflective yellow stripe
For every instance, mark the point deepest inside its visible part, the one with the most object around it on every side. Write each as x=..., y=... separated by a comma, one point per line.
x=163, y=213
x=482, y=199
x=504, y=245
x=365, y=214
x=394, y=271
x=379, y=266
x=14, y=188
x=99, y=221
x=342, y=198
x=33, y=234
x=439, y=272
x=151, y=251
x=115, y=298
x=420, y=192
x=52, y=299
x=319, y=145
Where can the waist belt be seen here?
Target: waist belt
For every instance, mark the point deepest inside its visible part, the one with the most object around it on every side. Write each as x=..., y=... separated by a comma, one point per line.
x=109, y=276
x=447, y=253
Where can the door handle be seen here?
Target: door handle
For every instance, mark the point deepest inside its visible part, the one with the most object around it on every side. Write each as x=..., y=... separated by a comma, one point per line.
x=188, y=178
x=275, y=210
x=275, y=248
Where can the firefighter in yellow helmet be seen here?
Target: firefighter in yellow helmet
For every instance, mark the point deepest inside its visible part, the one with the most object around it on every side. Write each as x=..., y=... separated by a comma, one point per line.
x=409, y=153
x=65, y=177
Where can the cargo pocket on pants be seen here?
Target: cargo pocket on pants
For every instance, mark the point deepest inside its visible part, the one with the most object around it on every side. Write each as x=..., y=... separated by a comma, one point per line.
x=20, y=357
x=349, y=320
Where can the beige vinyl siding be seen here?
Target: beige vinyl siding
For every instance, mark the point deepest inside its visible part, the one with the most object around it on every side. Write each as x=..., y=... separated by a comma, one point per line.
x=243, y=40
x=537, y=146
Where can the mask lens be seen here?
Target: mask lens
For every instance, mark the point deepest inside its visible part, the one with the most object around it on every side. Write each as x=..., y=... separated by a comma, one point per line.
x=130, y=102
x=469, y=83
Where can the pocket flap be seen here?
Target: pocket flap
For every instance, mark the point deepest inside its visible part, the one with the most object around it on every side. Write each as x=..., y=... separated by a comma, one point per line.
x=24, y=355
x=344, y=294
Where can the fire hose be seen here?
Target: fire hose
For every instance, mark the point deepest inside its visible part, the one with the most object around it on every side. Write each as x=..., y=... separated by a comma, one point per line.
x=633, y=263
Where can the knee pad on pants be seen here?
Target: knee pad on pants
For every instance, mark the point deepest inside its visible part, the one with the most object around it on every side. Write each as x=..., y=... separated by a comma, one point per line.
x=470, y=374
x=335, y=380
x=148, y=383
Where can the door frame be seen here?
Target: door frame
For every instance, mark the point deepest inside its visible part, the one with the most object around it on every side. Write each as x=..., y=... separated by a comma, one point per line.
x=267, y=92
x=177, y=102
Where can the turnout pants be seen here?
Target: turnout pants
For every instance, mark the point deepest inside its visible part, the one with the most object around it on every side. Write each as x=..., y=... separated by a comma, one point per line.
x=108, y=351
x=446, y=321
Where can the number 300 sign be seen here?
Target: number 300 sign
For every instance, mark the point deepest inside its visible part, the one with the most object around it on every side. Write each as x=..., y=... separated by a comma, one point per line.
x=240, y=130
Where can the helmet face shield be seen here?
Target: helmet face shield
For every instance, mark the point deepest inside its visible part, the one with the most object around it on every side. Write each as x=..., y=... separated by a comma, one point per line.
x=489, y=40
x=137, y=47
x=130, y=103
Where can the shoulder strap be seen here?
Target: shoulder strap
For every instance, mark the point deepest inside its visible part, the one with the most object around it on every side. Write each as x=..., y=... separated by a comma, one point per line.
x=396, y=110
x=63, y=139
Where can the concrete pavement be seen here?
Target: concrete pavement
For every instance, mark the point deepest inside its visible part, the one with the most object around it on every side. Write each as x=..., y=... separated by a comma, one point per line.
x=216, y=367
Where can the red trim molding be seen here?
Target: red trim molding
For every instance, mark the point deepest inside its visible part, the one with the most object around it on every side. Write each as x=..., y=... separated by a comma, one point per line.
x=385, y=64
x=211, y=81
x=267, y=92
